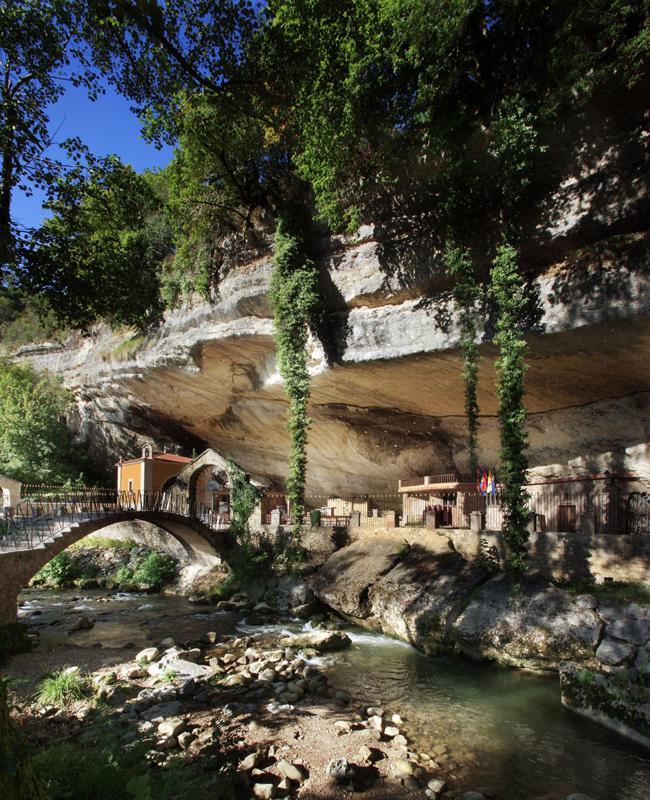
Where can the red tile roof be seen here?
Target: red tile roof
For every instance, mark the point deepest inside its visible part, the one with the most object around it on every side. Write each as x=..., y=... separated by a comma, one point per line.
x=159, y=457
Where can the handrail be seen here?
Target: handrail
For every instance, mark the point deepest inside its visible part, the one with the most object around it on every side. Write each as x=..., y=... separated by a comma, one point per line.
x=37, y=519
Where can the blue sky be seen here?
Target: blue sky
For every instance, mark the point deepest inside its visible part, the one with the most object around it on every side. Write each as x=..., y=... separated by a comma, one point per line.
x=107, y=126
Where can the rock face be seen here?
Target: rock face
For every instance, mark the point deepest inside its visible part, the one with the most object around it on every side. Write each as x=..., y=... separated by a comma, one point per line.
x=387, y=400
x=435, y=600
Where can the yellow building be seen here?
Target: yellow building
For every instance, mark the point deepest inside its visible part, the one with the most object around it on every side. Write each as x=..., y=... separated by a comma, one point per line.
x=149, y=472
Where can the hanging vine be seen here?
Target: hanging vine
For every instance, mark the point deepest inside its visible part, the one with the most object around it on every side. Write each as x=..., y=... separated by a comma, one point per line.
x=466, y=293
x=243, y=499
x=508, y=292
x=294, y=295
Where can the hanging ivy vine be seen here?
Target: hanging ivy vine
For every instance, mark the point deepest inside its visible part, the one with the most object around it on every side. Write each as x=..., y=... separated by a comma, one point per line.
x=294, y=295
x=508, y=292
x=466, y=293
x=243, y=499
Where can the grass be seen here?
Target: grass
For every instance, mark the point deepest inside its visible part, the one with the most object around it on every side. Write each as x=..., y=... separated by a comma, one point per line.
x=128, y=347
x=64, y=686
x=616, y=591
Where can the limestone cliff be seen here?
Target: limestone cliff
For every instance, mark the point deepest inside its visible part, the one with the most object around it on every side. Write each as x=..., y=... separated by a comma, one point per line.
x=387, y=390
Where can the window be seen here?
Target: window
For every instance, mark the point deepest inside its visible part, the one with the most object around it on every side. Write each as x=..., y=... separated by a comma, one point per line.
x=131, y=485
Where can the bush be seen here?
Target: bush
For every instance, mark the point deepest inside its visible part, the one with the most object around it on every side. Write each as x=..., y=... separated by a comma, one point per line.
x=57, y=572
x=63, y=686
x=149, y=573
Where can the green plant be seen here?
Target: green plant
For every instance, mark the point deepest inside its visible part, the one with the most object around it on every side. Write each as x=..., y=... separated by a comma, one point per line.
x=18, y=780
x=57, y=572
x=404, y=550
x=466, y=293
x=243, y=499
x=64, y=686
x=314, y=518
x=508, y=293
x=168, y=675
x=294, y=295
x=154, y=570
x=488, y=557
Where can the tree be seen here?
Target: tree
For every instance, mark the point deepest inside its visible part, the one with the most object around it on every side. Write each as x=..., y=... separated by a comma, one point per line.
x=41, y=51
x=100, y=254
x=35, y=444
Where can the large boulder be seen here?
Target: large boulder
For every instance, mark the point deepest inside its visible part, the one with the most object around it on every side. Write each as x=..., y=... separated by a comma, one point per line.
x=536, y=625
x=346, y=576
x=420, y=597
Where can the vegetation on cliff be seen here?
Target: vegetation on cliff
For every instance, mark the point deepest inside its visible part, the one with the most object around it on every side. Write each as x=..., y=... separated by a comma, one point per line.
x=358, y=111
x=294, y=294
x=35, y=443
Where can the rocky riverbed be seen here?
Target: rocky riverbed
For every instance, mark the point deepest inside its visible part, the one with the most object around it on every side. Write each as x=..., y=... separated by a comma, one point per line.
x=233, y=701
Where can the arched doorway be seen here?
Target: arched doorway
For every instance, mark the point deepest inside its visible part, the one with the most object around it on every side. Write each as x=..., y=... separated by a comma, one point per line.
x=210, y=495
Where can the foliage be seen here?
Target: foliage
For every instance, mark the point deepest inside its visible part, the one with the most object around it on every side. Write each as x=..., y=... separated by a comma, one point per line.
x=63, y=686
x=99, y=254
x=25, y=319
x=243, y=499
x=488, y=557
x=507, y=290
x=612, y=591
x=35, y=444
x=150, y=572
x=41, y=51
x=58, y=572
x=294, y=295
x=17, y=778
x=314, y=517
x=466, y=293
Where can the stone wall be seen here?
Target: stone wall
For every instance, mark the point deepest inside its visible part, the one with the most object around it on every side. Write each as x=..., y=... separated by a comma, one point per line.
x=560, y=556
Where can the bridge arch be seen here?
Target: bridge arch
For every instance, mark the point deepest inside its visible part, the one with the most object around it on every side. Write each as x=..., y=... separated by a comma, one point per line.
x=204, y=547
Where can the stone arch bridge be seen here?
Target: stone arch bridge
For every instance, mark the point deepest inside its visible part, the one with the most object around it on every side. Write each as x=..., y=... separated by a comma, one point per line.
x=35, y=530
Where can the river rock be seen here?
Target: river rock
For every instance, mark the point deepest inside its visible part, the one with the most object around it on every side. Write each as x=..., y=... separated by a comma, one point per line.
x=642, y=662
x=340, y=771
x=391, y=731
x=323, y=641
x=303, y=611
x=182, y=668
x=264, y=791
x=161, y=711
x=171, y=727
x=613, y=652
x=84, y=623
x=437, y=786
x=629, y=629
x=402, y=767
x=290, y=771
x=148, y=655
x=250, y=762
x=185, y=740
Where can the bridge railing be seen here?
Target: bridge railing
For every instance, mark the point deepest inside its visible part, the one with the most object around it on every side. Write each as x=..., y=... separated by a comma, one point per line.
x=37, y=518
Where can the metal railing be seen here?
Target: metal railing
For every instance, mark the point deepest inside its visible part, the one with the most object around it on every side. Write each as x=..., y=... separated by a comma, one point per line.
x=39, y=518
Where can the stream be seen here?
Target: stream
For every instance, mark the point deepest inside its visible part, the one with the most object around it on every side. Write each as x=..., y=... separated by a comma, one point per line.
x=506, y=729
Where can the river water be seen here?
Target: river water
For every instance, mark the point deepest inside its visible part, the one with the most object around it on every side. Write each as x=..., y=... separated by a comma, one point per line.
x=506, y=729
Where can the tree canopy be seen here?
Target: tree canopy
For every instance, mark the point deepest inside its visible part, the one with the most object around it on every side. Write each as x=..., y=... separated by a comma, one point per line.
x=35, y=444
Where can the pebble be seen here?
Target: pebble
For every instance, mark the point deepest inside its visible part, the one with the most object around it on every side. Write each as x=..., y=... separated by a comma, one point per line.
x=437, y=786
x=391, y=731
x=264, y=791
x=340, y=771
x=403, y=767
x=185, y=740
x=290, y=771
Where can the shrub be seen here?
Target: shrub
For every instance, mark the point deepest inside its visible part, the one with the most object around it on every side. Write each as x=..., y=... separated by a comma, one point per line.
x=57, y=572
x=63, y=686
x=154, y=571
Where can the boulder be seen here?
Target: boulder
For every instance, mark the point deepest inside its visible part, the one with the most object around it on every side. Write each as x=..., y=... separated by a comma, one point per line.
x=323, y=641
x=538, y=627
x=612, y=652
